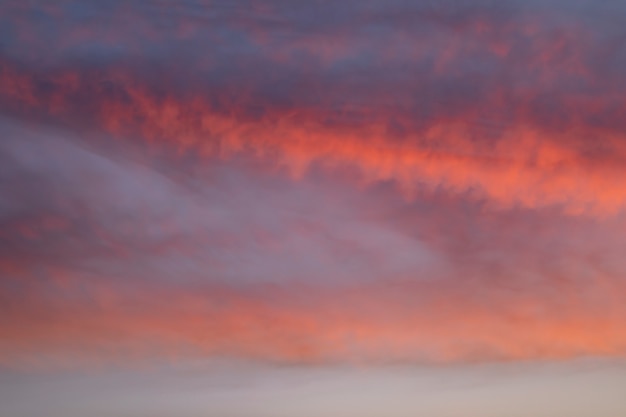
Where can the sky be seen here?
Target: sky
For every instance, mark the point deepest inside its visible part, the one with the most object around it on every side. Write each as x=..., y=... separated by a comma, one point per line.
x=312, y=208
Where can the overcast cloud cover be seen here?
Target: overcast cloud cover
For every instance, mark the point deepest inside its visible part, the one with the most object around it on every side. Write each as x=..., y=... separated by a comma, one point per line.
x=330, y=186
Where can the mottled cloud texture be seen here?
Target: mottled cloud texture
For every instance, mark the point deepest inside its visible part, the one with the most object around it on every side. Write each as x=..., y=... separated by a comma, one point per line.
x=312, y=182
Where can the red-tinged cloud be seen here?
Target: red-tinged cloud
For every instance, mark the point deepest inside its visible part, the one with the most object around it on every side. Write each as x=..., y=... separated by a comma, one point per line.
x=303, y=183
x=106, y=259
x=367, y=324
x=527, y=164
x=515, y=104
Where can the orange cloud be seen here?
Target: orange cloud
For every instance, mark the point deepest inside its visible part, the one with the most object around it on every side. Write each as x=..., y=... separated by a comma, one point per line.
x=520, y=113
x=528, y=164
x=364, y=324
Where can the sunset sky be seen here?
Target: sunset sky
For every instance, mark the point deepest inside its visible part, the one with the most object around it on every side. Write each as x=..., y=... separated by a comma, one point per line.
x=298, y=208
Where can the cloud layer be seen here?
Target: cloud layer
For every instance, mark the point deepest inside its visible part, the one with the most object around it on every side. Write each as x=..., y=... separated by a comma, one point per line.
x=433, y=181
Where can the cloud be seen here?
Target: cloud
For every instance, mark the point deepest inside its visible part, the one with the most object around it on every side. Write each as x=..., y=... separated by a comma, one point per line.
x=109, y=258
x=510, y=103
x=413, y=182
